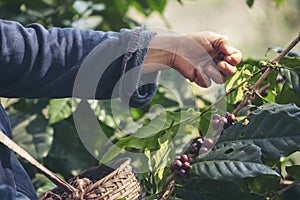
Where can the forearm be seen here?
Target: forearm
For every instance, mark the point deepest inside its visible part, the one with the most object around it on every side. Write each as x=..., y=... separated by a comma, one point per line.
x=33, y=60
x=40, y=63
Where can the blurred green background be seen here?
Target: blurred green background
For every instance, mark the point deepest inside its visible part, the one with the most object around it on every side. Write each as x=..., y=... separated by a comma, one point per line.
x=45, y=128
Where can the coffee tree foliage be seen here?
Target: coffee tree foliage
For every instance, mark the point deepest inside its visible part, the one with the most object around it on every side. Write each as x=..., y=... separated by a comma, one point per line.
x=252, y=159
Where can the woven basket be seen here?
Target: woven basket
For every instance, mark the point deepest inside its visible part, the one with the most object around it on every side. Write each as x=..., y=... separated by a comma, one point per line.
x=115, y=180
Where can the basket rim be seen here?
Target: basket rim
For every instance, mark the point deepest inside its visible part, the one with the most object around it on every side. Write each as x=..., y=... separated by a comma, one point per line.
x=109, y=171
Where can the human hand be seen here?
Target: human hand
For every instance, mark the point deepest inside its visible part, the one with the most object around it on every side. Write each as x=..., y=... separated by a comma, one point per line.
x=195, y=56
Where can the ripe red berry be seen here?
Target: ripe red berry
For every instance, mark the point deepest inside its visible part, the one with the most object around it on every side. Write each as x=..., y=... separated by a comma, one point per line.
x=182, y=172
x=203, y=150
x=184, y=158
x=186, y=165
x=209, y=141
x=216, y=124
x=232, y=117
x=177, y=164
x=224, y=120
x=216, y=116
x=177, y=158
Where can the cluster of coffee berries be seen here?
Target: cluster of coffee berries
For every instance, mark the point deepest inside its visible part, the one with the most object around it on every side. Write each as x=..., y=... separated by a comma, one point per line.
x=181, y=166
x=223, y=122
x=201, y=145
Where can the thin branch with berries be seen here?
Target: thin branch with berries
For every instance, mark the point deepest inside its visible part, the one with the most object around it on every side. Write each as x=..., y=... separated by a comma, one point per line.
x=182, y=164
x=269, y=69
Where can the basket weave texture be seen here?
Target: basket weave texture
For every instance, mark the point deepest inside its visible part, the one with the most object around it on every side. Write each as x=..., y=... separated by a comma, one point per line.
x=112, y=181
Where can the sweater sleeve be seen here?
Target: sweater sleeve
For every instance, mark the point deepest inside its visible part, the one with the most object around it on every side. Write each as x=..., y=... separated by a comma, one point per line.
x=66, y=62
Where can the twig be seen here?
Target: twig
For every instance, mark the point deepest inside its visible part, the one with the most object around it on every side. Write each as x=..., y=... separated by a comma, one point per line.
x=231, y=90
x=288, y=49
x=280, y=192
x=53, y=177
x=266, y=71
x=265, y=74
x=263, y=88
x=168, y=191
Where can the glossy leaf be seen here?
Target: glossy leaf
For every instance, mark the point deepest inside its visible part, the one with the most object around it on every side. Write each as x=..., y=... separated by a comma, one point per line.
x=160, y=129
x=264, y=185
x=230, y=163
x=208, y=189
x=245, y=72
x=292, y=78
x=290, y=63
x=273, y=127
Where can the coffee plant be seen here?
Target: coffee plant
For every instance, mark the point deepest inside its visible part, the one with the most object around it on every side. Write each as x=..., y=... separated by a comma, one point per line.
x=244, y=145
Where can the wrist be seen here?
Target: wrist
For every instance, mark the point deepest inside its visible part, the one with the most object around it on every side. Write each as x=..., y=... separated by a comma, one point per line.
x=162, y=52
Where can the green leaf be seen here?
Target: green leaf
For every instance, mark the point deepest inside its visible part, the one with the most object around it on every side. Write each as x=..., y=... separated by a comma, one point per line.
x=68, y=155
x=293, y=79
x=157, y=5
x=60, y=109
x=156, y=163
x=250, y=3
x=231, y=163
x=148, y=6
x=237, y=95
x=293, y=171
x=241, y=75
x=161, y=128
x=287, y=95
x=290, y=63
x=263, y=185
x=208, y=189
x=205, y=122
x=273, y=89
x=32, y=132
x=273, y=127
x=42, y=184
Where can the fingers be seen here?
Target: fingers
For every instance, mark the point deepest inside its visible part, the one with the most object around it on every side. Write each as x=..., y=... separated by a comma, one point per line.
x=193, y=73
x=234, y=58
x=226, y=68
x=202, y=79
x=214, y=74
x=211, y=44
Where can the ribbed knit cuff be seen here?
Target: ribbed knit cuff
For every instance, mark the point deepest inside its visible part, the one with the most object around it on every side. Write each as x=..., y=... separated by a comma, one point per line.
x=136, y=89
